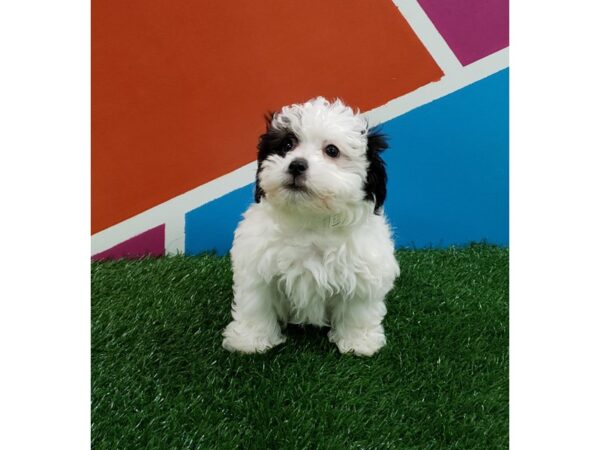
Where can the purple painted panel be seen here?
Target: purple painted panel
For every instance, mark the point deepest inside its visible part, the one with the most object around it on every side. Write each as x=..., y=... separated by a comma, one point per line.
x=148, y=243
x=472, y=28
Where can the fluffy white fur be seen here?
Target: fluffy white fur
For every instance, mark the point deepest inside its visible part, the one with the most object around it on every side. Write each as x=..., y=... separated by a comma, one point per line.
x=318, y=255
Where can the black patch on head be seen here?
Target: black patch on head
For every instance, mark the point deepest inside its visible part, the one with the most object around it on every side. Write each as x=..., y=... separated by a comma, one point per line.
x=272, y=142
x=375, y=185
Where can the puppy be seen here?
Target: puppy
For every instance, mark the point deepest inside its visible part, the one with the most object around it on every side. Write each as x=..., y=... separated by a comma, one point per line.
x=315, y=248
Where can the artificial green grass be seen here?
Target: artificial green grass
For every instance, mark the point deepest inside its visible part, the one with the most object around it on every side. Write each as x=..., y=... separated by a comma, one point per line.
x=160, y=378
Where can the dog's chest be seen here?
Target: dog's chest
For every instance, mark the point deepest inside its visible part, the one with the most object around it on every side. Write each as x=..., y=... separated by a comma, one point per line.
x=310, y=276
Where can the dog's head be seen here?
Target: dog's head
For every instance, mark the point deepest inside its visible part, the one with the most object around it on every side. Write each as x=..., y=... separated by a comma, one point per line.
x=320, y=157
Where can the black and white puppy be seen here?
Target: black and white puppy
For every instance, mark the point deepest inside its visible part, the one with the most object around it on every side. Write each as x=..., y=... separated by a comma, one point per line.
x=315, y=248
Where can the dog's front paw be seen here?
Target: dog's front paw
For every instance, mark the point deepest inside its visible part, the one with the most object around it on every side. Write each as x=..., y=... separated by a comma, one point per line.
x=358, y=341
x=241, y=338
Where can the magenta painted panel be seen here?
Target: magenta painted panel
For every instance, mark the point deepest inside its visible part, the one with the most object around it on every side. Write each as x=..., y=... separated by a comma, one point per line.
x=148, y=243
x=472, y=28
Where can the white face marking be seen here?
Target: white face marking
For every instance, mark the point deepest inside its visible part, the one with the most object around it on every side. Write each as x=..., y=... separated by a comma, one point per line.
x=331, y=181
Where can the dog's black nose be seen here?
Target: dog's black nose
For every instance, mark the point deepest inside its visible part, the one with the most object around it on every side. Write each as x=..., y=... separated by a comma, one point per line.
x=298, y=166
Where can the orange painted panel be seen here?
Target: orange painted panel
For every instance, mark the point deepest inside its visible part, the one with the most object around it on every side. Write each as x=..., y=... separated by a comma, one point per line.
x=179, y=87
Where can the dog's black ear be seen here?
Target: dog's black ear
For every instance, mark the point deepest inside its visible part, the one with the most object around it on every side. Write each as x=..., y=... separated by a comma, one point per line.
x=375, y=185
x=265, y=143
x=273, y=141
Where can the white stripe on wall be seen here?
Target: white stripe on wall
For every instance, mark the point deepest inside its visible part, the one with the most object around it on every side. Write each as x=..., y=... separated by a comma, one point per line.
x=172, y=212
x=432, y=91
x=429, y=36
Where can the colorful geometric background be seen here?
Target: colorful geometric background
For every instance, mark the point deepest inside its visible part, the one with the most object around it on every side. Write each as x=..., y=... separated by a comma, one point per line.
x=179, y=90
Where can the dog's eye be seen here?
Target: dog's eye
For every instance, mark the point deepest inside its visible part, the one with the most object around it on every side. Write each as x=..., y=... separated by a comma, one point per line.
x=332, y=151
x=288, y=144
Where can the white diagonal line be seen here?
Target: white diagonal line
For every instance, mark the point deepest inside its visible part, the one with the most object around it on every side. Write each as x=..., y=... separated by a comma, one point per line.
x=432, y=91
x=429, y=35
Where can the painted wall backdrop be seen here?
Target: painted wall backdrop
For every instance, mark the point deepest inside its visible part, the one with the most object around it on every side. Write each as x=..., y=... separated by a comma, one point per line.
x=179, y=90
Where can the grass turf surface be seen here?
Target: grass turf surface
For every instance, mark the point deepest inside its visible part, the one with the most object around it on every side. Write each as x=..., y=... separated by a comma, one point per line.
x=160, y=378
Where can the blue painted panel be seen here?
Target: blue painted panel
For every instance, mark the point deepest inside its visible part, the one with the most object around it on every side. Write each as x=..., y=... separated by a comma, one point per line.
x=447, y=170
x=211, y=226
